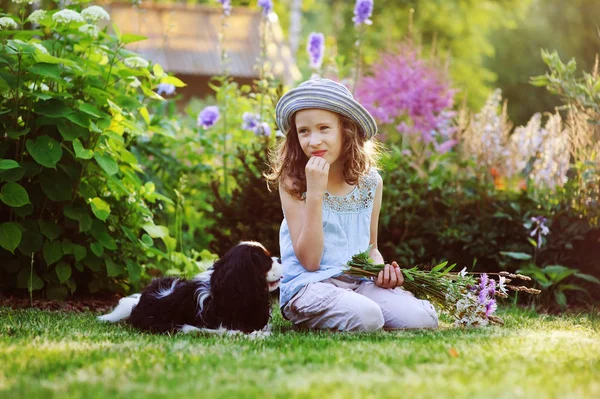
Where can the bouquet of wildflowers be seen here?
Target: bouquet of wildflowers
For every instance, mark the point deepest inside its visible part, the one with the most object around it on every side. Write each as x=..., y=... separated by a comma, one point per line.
x=471, y=300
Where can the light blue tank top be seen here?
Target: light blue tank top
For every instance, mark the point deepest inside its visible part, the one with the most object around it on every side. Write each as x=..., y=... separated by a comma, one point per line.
x=346, y=228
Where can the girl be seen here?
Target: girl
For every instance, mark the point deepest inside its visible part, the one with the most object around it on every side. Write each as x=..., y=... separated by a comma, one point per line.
x=331, y=196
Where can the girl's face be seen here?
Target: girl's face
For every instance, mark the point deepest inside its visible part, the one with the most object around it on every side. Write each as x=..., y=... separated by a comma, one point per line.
x=320, y=134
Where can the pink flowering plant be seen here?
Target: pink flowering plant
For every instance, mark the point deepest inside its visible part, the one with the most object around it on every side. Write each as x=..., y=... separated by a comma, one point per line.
x=411, y=99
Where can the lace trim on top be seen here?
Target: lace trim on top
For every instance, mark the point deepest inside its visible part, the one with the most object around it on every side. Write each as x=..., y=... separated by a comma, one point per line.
x=359, y=199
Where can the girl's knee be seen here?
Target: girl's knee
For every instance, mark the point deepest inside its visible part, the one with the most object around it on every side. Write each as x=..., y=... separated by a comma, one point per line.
x=369, y=317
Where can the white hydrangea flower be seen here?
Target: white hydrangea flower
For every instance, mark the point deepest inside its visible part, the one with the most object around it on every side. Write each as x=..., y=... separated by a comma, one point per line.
x=23, y=1
x=95, y=13
x=37, y=16
x=136, y=62
x=67, y=16
x=38, y=86
x=41, y=48
x=7, y=23
x=134, y=82
x=90, y=30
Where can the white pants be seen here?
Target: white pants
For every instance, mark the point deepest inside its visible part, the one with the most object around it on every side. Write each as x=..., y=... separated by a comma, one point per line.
x=343, y=304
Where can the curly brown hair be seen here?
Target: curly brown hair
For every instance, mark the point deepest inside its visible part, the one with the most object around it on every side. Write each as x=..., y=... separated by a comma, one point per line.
x=288, y=162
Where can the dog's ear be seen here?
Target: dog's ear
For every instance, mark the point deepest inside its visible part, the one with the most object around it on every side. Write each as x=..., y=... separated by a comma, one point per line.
x=239, y=291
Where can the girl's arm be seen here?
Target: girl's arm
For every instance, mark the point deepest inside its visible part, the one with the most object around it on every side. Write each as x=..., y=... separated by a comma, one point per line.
x=305, y=219
x=390, y=276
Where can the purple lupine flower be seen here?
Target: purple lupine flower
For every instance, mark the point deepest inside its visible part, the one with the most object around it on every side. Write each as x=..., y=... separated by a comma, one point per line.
x=226, y=6
x=415, y=97
x=250, y=121
x=267, y=6
x=362, y=12
x=316, y=49
x=208, y=116
x=165, y=88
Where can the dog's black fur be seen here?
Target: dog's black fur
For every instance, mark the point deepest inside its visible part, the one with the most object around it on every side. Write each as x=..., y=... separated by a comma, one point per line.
x=233, y=294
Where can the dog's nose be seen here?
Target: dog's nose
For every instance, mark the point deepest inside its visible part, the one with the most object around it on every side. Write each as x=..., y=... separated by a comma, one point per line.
x=278, y=260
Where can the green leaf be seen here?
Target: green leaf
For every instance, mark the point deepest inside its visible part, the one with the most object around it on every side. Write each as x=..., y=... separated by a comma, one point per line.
x=91, y=110
x=156, y=231
x=100, y=208
x=29, y=280
x=133, y=270
x=80, y=151
x=45, y=150
x=63, y=271
x=70, y=131
x=79, y=118
x=57, y=185
x=100, y=233
x=588, y=277
x=50, y=230
x=158, y=70
x=97, y=249
x=107, y=163
x=16, y=133
x=31, y=242
x=172, y=80
x=13, y=194
x=79, y=251
x=10, y=236
x=81, y=215
x=52, y=251
x=147, y=240
x=516, y=255
x=46, y=70
x=6, y=164
x=128, y=38
x=113, y=269
x=439, y=267
x=24, y=211
x=67, y=246
x=561, y=298
x=55, y=108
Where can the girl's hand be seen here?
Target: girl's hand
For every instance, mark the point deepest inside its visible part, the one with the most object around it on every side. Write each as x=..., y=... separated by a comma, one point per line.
x=390, y=277
x=317, y=174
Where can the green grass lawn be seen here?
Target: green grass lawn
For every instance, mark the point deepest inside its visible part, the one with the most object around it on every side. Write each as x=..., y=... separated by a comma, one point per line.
x=69, y=355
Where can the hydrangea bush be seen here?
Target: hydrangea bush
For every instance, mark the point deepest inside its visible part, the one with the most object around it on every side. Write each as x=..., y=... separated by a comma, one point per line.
x=77, y=208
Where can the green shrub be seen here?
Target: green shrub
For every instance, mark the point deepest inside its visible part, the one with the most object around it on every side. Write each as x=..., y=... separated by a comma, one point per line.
x=75, y=203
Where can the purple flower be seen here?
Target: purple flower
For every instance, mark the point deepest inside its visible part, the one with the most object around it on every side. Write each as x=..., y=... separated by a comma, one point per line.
x=226, y=6
x=250, y=121
x=263, y=129
x=492, y=288
x=483, y=283
x=165, y=88
x=362, y=11
x=267, y=6
x=208, y=116
x=316, y=49
x=490, y=307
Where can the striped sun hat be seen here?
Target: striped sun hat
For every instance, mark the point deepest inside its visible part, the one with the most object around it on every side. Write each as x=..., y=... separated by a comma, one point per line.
x=323, y=94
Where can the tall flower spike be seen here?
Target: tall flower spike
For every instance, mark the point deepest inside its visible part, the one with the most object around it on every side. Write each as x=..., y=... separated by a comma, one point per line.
x=316, y=49
x=226, y=7
x=267, y=6
x=362, y=12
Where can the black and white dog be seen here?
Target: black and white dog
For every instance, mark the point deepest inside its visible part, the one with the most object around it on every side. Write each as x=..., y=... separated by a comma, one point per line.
x=232, y=295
